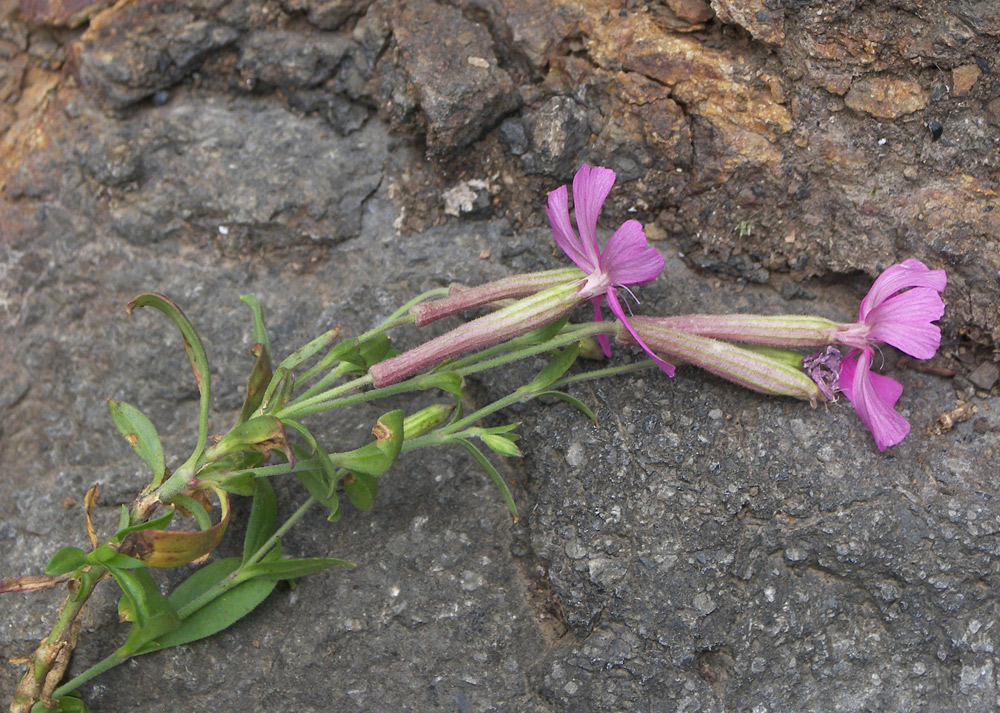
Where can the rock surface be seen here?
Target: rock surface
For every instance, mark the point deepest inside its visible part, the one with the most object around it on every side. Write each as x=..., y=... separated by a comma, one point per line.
x=705, y=548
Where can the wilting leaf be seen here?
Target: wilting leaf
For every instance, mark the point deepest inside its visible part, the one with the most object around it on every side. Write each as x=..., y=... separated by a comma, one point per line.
x=260, y=377
x=376, y=458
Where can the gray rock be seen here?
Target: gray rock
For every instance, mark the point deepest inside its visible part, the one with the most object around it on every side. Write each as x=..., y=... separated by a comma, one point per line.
x=704, y=549
x=450, y=71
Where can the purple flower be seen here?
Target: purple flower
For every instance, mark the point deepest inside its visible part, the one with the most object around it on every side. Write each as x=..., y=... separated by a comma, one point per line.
x=900, y=309
x=626, y=259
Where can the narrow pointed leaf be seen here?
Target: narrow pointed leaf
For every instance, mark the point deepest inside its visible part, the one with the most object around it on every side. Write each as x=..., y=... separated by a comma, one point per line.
x=159, y=523
x=558, y=366
x=141, y=435
x=311, y=349
x=220, y=613
x=448, y=381
x=260, y=378
x=494, y=475
x=572, y=401
x=263, y=518
x=195, y=354
x=259, y=329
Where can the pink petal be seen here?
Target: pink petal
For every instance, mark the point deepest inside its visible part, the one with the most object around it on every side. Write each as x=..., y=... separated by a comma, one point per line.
x=873, y=396
x=627, y=260
x=562, y=230
x=617, y=310
x=904, y=321
x=909, y=273
x=602, y=339
x=590, y=189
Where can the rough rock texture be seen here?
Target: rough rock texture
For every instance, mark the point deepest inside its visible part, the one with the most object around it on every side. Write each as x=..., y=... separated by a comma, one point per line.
x=705, y=548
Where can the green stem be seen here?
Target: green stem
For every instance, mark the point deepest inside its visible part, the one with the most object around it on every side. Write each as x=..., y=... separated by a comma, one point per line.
x=235, y=577
x=110, y=662
x=601, y=373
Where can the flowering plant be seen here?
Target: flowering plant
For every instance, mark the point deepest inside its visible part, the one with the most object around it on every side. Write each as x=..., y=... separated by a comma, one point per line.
x=526, y=316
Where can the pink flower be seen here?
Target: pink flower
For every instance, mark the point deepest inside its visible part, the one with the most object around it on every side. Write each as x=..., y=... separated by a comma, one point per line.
x=625, y=260
x=874, y=397
x=901, y=318
x=899, y=309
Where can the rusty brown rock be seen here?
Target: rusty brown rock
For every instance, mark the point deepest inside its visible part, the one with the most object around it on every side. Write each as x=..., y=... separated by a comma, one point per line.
x=709, y=83
x=763, y=23
x=61, y=13
x=963, y=78
x=886, y=97
x=694, y=11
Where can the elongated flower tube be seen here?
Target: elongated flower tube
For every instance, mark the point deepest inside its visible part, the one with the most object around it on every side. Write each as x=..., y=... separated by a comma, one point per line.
x=461, y=298
x=785, y=331
x=511, y=321
x=754, y=370
x=626, y=258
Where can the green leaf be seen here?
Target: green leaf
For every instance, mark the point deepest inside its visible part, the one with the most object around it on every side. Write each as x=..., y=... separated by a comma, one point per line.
x=66, y=560
x=201, y=580
x=70, y=703
x=319, y=487
x=107, y=556
x=307, y=351
x=500, y=444
x=572, y=401
x=376, y=458
x=361, y=490
x=558, y=366
x=259, y=330
x=260, y=434
x=141, y=435
x=159, y=523
x=336, y=355
x=493, y=473
x=194, y=508
x=195, y=354
x=219, y=613
x=373, y=350
x=152, y=615
x=449, y=381
x=292, y=568
x=263, y=518
x=542, y=334
x=257, y=384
